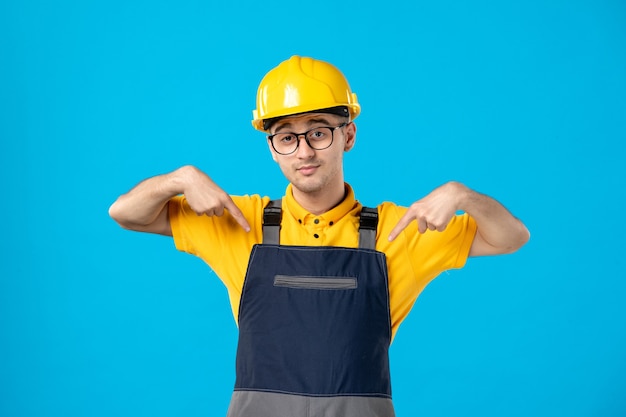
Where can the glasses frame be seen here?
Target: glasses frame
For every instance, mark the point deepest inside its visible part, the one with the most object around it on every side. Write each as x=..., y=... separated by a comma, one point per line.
x=297, y=135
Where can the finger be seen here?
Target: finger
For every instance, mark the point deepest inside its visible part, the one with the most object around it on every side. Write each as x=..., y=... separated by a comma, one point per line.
x=237, y=214
x=422, y=225
x=208, y=212
x=400, y=226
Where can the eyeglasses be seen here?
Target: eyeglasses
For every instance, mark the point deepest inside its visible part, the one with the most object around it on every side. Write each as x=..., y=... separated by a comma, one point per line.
x=318, y=138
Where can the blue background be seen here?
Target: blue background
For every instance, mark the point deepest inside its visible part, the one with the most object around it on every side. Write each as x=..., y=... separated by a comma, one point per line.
x=521, y=100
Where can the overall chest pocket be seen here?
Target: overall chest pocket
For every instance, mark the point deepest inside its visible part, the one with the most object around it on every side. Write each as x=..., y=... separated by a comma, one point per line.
x=315, y=283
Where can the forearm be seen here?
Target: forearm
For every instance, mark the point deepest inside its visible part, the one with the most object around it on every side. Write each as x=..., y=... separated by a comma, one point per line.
x=143, y=205
x=498, y=231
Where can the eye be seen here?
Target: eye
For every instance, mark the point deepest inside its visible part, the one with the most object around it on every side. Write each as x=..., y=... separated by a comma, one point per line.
x=285, y=138
x=318, y=134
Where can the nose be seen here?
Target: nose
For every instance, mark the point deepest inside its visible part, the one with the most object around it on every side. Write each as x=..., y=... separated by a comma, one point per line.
x=304, y=151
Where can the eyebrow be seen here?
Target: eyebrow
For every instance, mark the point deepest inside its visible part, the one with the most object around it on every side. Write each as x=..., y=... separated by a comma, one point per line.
x=321, y=120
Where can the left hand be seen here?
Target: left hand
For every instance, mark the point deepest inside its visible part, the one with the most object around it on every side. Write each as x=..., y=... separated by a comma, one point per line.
x=434, y=211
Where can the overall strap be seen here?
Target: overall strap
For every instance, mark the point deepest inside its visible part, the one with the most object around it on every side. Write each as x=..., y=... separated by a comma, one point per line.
x=272, y=216
x=367, y=228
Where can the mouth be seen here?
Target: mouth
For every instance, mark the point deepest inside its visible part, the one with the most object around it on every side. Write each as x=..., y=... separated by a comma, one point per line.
x=307, y=169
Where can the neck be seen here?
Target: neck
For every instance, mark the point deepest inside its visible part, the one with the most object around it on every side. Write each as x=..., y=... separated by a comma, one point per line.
x=321, y=201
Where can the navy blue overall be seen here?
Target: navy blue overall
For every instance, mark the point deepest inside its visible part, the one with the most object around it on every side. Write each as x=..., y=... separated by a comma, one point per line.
x=314, y=329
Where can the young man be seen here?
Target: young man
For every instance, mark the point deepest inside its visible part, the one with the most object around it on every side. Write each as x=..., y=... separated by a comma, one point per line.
x=317, y=283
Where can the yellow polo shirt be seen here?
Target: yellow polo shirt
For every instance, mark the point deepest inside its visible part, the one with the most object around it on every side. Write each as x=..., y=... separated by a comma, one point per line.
x=413, y=259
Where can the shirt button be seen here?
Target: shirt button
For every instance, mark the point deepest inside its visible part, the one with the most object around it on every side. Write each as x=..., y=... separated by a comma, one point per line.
x=316, y=221
x=316, y=236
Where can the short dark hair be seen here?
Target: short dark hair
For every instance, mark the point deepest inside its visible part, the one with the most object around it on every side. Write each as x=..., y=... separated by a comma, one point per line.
x=338, y=110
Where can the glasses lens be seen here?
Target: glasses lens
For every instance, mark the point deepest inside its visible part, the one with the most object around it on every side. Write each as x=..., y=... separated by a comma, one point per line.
x=320, y=138
x=285, y=143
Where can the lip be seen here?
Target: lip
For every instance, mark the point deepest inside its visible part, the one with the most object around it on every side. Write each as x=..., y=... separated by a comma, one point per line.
x=308, y=169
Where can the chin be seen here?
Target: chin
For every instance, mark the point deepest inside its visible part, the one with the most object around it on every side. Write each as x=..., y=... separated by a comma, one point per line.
x=308, y=187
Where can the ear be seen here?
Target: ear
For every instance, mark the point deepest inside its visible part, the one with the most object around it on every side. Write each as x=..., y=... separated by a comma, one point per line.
x=272, y=151
x=350, y=134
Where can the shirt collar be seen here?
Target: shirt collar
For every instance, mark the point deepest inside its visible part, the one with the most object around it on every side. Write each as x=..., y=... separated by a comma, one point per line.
x=332, y=216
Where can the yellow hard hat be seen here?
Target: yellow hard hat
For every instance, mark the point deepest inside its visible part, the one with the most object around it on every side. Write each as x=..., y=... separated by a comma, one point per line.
x=302, y=85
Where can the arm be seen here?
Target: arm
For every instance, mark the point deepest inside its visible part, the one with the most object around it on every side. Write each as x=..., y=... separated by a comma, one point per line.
x=145, y=207
x=498, y=232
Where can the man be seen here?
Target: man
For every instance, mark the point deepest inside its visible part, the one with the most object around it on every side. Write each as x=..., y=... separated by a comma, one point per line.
x=318, y=284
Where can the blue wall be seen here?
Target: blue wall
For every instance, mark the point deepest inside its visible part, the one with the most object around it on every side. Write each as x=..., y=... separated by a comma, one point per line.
x=522, y=100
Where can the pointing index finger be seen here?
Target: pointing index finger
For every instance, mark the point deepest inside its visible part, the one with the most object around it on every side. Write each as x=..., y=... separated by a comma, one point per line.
x=400, y=226
x=237, y=214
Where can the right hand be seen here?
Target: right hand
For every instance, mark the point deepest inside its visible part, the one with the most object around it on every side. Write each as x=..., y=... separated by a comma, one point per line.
x=205, y=197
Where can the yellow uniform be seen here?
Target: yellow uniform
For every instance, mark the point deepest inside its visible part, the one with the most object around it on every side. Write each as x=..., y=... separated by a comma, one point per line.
x=413, y=259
